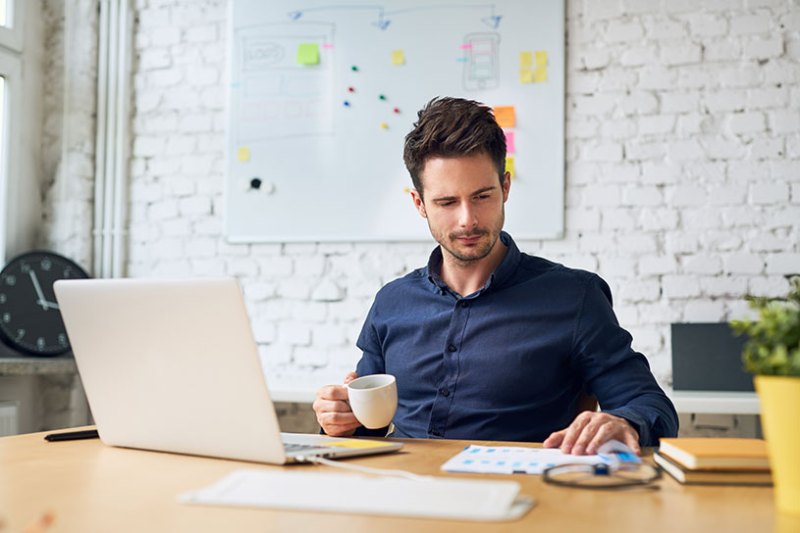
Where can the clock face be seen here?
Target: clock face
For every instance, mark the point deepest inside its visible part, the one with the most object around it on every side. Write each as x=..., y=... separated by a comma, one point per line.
x=30, y=319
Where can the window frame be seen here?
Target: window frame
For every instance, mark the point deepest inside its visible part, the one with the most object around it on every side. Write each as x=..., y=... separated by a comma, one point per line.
x=11, y=71
x=11, y=45
x=11, y=36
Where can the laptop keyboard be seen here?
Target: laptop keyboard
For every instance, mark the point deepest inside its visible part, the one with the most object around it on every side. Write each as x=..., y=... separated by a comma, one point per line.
x=291, y=447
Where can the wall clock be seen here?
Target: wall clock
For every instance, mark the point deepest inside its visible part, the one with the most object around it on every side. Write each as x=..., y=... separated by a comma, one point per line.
x=30, y=319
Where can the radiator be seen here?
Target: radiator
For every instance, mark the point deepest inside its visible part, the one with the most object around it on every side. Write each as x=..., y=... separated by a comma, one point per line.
x=9, y=418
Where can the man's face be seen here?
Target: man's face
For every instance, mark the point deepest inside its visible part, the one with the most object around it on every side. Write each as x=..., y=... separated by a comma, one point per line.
x=463, y=203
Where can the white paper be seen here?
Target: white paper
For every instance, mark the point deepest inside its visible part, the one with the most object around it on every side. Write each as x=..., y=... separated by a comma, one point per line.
x=513, y=460
x=349, y=493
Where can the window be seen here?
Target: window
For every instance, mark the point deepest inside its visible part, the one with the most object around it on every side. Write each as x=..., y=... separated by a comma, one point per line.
x=2, y=127
x=10, y=103
x=11, y=24
x=10, y=96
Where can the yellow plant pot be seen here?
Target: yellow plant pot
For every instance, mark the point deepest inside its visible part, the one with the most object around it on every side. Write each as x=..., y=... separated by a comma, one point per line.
x=780, y=413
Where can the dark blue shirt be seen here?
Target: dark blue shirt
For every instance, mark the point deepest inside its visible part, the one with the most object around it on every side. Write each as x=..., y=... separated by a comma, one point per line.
x=508, y=362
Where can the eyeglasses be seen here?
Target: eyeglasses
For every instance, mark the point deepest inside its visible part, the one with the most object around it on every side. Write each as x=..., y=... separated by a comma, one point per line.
x=603, y=476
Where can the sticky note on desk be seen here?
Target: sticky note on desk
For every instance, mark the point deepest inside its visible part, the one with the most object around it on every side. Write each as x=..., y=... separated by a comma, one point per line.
x=541, y=58
x=356, y=443
x=525, y=60
x=505, y=115
x=308, y=54
x=243, y=154
x=540, y=75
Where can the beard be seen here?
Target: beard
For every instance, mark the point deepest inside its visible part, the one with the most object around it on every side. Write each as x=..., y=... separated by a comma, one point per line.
x=468, y=254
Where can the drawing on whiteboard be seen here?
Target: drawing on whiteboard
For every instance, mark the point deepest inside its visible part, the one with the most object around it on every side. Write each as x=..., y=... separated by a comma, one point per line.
x=285, y=80
x=383, y=20
x=481, y=61
x=258, y=54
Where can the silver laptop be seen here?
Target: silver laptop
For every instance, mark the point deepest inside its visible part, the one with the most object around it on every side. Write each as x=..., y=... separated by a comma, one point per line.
x=171, y=365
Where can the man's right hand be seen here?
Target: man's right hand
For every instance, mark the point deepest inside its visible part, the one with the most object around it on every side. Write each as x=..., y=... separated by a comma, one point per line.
x=333, y=410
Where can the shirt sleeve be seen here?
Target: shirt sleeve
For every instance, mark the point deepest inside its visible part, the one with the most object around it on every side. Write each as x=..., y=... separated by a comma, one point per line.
x=617, y=375
x=371, y=362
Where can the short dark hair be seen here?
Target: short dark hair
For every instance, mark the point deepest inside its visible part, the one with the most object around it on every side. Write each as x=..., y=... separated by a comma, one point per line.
x=452, y=127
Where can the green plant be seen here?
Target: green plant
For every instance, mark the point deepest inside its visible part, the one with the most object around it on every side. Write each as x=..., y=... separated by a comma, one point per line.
x=773, y=346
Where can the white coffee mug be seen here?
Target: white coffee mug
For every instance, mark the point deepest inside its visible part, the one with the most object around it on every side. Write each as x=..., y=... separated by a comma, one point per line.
x=373, y=399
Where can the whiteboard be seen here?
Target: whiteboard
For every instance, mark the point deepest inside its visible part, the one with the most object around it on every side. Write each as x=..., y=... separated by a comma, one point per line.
x=314, y=146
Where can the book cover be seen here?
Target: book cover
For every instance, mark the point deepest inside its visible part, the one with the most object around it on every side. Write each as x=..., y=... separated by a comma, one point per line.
x=717, y=453
x=712, y=477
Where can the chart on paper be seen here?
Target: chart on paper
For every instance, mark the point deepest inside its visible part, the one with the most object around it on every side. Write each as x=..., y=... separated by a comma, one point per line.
x=321, y=96
x=513, y=460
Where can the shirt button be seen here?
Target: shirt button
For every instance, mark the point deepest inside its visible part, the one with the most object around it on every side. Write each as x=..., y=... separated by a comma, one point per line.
x=445, y=392
x=451, y=348
x=464, y=304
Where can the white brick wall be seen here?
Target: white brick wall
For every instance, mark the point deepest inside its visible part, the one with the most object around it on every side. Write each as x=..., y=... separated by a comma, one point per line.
x=683, y=176
x=66, y=169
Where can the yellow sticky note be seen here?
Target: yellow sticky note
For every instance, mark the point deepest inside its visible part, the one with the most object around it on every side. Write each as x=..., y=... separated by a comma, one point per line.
x=526, y=76
x=525, y=59
x=308, y=54
x=353, y=443
x=541, y=58
x=398, y=57
x=243, y=154
x=510, y=166
x=505, y=116
x=540, y=74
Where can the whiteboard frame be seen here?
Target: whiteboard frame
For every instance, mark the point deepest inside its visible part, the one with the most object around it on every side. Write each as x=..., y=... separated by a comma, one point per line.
x=556, y=74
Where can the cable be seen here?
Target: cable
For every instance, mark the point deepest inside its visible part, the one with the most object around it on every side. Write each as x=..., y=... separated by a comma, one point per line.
x=366, y=469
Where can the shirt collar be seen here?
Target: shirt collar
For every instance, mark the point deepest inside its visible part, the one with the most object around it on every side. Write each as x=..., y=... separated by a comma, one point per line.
x=503, y=272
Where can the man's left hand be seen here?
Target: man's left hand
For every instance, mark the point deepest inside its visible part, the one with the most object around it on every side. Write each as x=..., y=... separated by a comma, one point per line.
x=589, y=430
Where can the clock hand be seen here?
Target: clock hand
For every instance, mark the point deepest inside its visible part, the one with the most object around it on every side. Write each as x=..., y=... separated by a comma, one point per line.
x=46, y=304
x=41, y=301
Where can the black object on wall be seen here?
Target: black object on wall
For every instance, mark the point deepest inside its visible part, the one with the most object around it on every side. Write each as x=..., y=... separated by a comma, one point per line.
x=708, y=357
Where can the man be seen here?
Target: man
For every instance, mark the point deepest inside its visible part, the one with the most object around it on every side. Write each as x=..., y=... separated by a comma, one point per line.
x=486, y=342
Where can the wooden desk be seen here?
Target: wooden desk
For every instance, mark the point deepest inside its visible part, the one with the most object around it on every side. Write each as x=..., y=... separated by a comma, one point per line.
x=92, y=487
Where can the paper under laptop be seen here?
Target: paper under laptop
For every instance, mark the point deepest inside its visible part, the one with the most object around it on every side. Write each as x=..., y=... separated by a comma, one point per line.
x=172, y=365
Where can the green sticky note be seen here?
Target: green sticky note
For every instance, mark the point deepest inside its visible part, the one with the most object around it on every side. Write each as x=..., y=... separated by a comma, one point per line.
x=308, y=54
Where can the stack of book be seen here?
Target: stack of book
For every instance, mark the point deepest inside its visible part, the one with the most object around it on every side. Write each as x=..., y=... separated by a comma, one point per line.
x=719, y=461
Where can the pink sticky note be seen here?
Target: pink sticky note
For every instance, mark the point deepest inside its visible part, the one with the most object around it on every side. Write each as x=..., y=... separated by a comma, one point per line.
x=510, y=148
